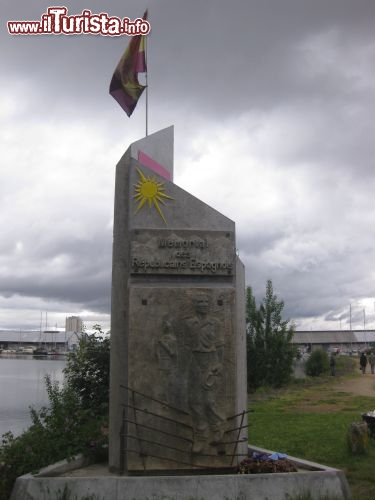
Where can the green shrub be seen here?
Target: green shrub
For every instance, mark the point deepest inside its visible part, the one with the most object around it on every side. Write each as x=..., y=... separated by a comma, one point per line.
x=87, y=371
x=317, y=364
x=57, y=432
x=74, y=422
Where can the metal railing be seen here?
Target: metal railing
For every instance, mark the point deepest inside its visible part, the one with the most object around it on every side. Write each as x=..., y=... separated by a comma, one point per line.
x=153, y=429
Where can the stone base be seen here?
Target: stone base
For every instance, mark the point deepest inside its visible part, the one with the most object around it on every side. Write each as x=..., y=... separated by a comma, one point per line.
x=96, y=483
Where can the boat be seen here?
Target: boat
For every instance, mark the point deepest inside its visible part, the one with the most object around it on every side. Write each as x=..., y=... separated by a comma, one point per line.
x=55, y=353
x=25, y=350
x=40, y=351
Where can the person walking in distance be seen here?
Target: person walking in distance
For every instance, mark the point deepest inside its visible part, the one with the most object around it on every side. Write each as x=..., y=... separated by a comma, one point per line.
x=363, y=362
x=371, y=360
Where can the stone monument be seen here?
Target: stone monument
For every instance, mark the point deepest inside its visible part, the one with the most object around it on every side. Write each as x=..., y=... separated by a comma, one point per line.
x=178, y=346
x=178, y=356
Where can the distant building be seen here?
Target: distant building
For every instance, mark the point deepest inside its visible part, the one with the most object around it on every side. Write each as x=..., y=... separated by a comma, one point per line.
x=344, y=340
x=73, y=324
x=48, y=339
x=51, y=340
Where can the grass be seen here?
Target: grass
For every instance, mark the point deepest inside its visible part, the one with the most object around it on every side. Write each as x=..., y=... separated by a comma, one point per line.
x=310, y=420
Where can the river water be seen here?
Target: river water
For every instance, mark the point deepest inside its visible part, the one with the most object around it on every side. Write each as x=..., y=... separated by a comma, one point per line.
x=21, y=386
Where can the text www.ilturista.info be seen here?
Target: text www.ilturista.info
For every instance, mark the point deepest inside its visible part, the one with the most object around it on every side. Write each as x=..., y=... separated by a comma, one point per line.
x=57, y=22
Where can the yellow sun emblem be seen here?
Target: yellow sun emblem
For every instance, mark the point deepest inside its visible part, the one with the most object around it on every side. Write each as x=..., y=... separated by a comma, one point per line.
x=149, y=190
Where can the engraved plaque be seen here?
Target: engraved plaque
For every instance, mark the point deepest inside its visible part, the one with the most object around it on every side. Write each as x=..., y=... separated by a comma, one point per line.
x=197, y=253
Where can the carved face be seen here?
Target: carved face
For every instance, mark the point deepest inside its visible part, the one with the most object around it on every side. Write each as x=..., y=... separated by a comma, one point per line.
x=201, y=305
x=167, y=326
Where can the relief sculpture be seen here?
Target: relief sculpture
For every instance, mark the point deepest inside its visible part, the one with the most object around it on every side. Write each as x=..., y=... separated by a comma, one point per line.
x=166, y=351
x=190, y=354
x=206, y=339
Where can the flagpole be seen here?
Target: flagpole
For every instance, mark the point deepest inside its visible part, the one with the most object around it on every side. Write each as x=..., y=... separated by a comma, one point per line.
x=146, y=46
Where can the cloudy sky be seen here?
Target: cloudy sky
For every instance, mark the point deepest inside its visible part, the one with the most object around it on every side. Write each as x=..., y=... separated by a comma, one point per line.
x=273, y=107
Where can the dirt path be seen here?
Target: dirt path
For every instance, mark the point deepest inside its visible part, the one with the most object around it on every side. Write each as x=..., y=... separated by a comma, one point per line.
x=363, y=385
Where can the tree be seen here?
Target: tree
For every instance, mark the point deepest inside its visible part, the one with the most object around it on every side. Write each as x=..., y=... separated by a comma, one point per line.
x=270, y=351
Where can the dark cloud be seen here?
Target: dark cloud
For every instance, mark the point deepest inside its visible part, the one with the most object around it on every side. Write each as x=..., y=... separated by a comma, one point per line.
x=220, y=56
x=277, y=92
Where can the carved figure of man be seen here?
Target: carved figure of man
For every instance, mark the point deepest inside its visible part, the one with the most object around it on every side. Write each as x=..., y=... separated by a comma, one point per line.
x=166, y=351
x=206, y=341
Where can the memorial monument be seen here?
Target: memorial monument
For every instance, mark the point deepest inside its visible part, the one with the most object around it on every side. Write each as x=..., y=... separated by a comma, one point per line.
x=178, y=356
x=178, y=347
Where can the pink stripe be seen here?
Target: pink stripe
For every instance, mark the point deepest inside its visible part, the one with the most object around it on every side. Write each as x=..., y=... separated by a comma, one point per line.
x=153, y=165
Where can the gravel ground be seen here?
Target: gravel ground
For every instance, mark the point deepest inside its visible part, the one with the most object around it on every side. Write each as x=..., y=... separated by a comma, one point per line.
x=363, y=385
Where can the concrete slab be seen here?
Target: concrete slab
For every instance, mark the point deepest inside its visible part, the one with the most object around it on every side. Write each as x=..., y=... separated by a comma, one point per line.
x=95, y=482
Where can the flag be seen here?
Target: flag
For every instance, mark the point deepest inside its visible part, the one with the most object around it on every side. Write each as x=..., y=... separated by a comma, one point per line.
x=125, y=87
